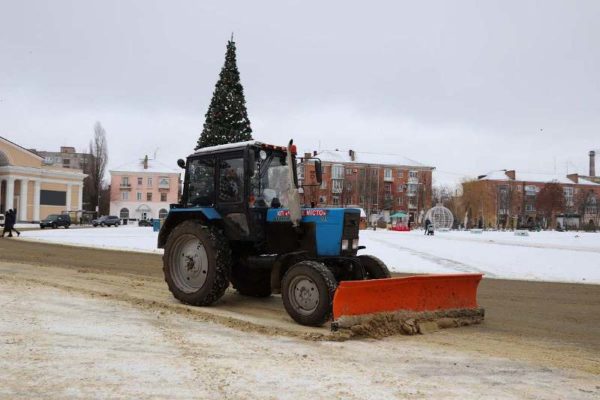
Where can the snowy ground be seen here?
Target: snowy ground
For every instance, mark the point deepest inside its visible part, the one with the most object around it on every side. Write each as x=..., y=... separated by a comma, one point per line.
x=60, y=344
x=546, y=256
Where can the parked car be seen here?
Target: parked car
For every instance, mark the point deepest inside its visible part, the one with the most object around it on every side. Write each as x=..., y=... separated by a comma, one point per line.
x=145, y=222
x=107, y=220
x=55, y=221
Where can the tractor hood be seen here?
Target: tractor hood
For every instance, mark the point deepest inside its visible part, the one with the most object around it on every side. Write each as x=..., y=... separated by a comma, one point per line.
x=332, y=226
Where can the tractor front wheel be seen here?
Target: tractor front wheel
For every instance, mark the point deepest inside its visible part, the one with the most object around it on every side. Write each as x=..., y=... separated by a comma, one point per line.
x=374, y=267
x=307, y=291
x=197, y=263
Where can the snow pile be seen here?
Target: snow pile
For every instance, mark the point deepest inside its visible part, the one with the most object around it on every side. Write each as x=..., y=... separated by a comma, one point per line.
x=545, y=256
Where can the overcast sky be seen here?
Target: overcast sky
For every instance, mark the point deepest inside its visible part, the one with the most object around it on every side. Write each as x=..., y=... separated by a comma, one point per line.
x=465, y=86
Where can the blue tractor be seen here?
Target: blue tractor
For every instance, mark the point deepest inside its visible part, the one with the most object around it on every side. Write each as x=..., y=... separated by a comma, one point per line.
x=240, y=221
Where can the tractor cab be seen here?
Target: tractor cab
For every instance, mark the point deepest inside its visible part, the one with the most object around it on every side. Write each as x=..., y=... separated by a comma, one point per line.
x=237, y=184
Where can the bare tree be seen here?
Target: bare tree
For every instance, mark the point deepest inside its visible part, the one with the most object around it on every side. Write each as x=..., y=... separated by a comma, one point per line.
x=478, y=202
x=550, y=201
x=99, y=151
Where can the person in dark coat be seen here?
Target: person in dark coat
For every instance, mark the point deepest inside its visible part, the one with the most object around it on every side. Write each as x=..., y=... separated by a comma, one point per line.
x=427, y=223
x=6, y=223
x=14, y=221
x=9, y=223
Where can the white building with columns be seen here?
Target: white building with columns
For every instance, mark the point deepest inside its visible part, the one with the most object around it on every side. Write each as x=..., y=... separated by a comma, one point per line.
x=35, y=190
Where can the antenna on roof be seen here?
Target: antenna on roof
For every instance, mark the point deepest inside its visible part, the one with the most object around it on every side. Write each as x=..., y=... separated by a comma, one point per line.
x=155, y=151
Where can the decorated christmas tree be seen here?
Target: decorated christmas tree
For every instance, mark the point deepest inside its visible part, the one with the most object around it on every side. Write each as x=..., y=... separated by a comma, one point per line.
x=227, y=118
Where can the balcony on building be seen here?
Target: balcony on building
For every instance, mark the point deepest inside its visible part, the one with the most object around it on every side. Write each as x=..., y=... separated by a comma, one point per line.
x=387, y=175
x=337, y=186
x=164, y=184
x=125, y=186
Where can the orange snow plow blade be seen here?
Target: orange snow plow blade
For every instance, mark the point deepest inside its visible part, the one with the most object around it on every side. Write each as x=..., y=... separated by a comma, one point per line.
x=424, y=297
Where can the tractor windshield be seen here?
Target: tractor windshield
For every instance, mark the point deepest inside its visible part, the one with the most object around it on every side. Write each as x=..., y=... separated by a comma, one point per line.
x=271, y=181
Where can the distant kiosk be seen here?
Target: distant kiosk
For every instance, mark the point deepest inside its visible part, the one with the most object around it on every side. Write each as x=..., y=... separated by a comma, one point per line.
x=440, y=217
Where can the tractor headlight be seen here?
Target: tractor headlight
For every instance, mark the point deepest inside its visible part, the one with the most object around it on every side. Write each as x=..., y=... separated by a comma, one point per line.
x=355, y=244
x=344, y=244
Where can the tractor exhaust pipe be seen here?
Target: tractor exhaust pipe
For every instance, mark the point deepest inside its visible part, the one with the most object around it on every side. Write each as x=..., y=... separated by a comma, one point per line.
x=293, y=195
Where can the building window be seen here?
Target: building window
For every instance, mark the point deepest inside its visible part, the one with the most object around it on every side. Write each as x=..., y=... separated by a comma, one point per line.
x=529, y=207
x=163, y=197
x=412, y=189
x=140, y=181
x=323, y=199
x=388, y=191
x=531, y=190
x=337, y=185
x=335, y=200
x=66, y=162
x=337, y=172
x=324, y=184
x=374, y=172
x=139, y=196
x=149, y=196
x=125, y=181
x=124, y=214
x=400, y=173
x=400, y=188
x=300, y=172
x=149, y=182
x=162, y=213
x=348, y=171
x=400, y=201
x=163, y=183
x=387, y=174
x=568, y=192
x=125, y=195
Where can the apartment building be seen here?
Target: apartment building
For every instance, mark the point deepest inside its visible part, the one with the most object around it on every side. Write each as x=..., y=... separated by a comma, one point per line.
x=508, y=198
x=378, y=183
x=143, y=189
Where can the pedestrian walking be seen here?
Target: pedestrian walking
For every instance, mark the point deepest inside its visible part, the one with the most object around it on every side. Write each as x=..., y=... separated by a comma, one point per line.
x=10, y=218
x=14, y=221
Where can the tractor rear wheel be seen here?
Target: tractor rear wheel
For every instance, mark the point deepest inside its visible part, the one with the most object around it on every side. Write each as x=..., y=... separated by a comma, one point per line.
x=307, y=291
x=197, y=263
x=251, y=282
x=374, y=267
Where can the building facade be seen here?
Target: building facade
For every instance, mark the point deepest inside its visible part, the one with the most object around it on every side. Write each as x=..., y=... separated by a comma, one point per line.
x=34, y=189
x=143, y=190
x=68, y=157
x=508, y=198
x=379, y=183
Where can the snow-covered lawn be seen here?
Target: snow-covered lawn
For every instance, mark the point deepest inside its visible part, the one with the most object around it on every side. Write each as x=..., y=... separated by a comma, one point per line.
x=547, y=256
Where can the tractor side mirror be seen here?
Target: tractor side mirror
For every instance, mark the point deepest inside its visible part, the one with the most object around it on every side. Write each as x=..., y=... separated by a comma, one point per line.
x=319, y=171
x=251, y=162
x=181, y=163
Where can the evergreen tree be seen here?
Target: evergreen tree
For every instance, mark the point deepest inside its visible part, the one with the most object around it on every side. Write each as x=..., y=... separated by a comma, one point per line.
x=227, y=118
